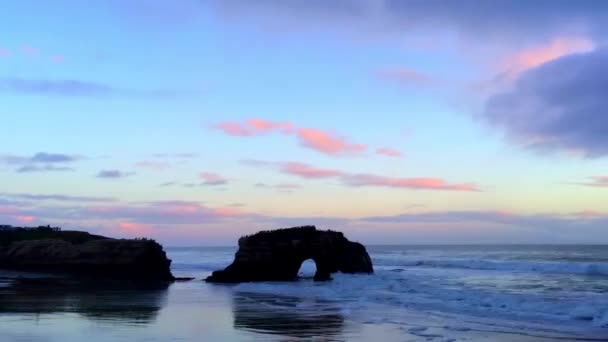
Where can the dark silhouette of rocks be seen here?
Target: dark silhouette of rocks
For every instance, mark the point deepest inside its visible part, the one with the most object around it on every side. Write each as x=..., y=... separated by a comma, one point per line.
x=277, y=255
x=83, y=254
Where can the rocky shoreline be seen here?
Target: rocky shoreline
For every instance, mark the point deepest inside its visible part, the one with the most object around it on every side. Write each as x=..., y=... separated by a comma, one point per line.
x=80, y=253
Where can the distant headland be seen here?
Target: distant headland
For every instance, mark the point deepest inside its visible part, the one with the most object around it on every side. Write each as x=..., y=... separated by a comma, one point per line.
x=53, y=250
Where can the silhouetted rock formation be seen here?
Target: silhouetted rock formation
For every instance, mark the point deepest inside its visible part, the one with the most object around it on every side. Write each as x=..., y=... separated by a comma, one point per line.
x=84, y=254
x=276, y=255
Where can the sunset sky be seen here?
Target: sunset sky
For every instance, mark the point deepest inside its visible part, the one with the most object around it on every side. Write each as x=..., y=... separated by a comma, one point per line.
x=194, y=122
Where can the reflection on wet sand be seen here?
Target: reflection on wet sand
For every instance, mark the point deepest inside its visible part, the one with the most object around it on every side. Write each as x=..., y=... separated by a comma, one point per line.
x=122, y=302
x=286, y=316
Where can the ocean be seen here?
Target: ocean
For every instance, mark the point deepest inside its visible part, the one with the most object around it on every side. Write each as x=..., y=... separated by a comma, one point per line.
x=417, y=293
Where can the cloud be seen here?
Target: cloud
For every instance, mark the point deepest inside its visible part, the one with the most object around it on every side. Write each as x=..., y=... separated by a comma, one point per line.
x=597, y=181
x=157, y=165
x=327, y=143
x=571, y=221
x=319, y=140
x=57, y=197
x=40, y=162
x=471, y=20
x=389, y=152
x=253, y=127
x=557, y=106
x=405, y=183
x=210, y=178
x=113, y=174
x=57, y=58
x=4, y=53
x=405, y=76
x=75, y=88
x=540, y=54
x=306, y=171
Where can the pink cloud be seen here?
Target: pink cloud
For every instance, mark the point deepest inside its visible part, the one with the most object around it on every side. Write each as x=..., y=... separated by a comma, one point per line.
x=134, y=227
x=362, y=179
x=409, y=183
x=153, y=164
x=4, y=53
x=227, y=212
x=388, y=152
x=316, y=139
x=262, y=126
x=405, y=76
x=25, y=219
x=210, y=178
x=598, y=181
x=327, y=143
x=253, y=127
x=307, y=171
x=537, y=55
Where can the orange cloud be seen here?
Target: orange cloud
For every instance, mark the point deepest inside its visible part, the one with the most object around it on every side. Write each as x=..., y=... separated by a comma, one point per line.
x=535, y=56
x=388, y=152
x=134, y=227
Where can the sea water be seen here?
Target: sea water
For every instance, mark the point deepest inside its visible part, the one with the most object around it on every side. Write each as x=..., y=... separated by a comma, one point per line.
x=417, y=293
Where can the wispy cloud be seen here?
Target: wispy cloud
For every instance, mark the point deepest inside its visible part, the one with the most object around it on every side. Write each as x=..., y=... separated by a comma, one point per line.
x=322, y=141
x=113, y=174
x=405, y=76
x=212, y=179
x=40, y=162
x=389, y=152
x=76, y=88
x=57, y=197
x=157, y=165
x=306, y=171
x=597, y=181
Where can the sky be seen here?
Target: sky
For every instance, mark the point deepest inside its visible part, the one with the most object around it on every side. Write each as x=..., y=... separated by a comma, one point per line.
x=194, y=122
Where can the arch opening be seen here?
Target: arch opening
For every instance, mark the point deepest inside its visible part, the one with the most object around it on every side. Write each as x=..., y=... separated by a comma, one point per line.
x=308, y=269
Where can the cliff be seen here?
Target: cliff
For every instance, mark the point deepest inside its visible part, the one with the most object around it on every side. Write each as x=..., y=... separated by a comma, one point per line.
x=81, y=253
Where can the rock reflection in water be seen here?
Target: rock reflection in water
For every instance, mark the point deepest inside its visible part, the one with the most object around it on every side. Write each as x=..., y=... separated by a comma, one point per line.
x=286, y=316
x=122, y=302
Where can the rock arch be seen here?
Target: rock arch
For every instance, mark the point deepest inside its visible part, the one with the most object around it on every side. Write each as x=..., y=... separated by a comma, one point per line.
x=277, y=255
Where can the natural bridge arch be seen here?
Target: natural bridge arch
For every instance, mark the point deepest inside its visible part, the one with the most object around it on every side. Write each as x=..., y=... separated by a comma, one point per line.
x=277, y=255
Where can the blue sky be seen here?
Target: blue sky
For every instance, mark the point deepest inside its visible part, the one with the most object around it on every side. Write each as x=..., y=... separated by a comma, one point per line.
x=200, y=121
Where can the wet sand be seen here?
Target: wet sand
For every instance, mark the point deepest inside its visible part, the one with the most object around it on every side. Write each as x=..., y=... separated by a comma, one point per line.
x=40, y=309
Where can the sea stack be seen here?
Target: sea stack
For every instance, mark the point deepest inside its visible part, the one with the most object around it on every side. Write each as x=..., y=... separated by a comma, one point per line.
x=277, y=255
x=50, y=250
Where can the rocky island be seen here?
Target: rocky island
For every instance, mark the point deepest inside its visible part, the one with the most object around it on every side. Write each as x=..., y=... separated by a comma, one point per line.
x=51, y=250
x=277, y=255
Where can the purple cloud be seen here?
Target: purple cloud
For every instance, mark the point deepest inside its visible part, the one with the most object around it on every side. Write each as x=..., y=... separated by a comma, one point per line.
x=57, y=197
x=113, y=174
x=512, y=21
x=558, y=106
x=75, y=88
x=40, y=162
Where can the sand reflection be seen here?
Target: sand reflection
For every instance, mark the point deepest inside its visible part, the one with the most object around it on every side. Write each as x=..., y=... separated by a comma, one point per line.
x=286, y=316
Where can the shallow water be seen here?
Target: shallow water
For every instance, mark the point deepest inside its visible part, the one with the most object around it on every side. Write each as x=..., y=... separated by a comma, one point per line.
x=431, y=293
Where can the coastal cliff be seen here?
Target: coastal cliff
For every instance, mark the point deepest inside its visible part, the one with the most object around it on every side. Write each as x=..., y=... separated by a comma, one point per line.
x=71, y=252
x=277, y=255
